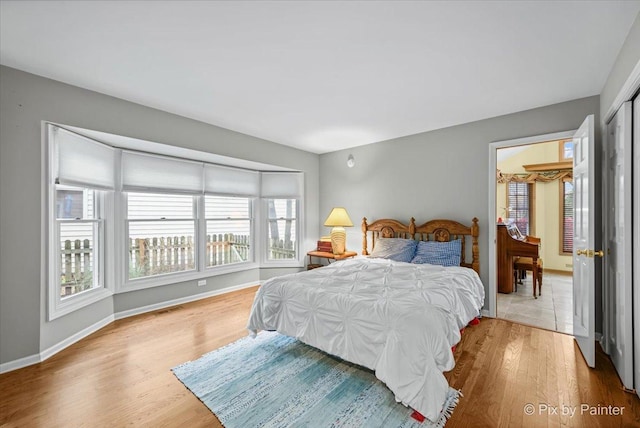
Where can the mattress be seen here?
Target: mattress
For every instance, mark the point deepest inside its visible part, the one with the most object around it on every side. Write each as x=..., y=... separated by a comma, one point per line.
x=398, y=319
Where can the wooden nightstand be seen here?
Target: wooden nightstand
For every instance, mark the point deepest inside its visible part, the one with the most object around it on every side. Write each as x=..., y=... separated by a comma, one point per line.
x=328, y=256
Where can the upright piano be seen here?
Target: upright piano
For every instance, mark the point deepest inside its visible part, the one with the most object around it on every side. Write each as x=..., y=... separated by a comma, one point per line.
x=512, y=243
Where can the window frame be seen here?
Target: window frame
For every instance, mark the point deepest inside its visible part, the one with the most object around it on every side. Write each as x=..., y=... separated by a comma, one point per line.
x=131, y=282
x=200, y=272
x=297, y=261
x=252, y=237
x=531, y=200
x=57, y=305
x=114, y=229
x=562, y=218
x=98, y=234
x=561, y=207
x=561, y=145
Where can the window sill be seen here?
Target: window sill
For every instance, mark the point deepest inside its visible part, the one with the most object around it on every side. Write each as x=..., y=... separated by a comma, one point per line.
x=61, y=308
x=282, y=264
x=175, y=278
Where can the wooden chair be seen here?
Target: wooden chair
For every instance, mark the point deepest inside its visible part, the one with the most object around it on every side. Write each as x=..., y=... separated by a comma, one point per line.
x=523, y=264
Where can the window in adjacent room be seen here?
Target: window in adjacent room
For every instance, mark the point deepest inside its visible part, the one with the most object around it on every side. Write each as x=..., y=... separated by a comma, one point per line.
x=566, y=214
x=566, y=150
x=520, y=206
x=161, y=234
x=566, y=202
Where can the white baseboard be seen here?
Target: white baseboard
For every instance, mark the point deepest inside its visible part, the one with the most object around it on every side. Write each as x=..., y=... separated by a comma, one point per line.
x=52, y=350
x=49, y=352
x=168, y=303
x=19, y=363
x=485, y=313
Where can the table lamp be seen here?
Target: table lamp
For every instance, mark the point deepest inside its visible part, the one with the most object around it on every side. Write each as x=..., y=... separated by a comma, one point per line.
x=338, y=219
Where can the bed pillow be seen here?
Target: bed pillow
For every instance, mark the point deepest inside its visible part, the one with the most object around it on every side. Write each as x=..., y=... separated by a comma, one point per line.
x=398, y=249
x=439, y=253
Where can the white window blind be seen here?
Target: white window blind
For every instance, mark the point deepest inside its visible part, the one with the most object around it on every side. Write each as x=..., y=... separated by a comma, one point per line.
x=81, y=161
x=282, y=184
x=567, y=217
x=221, y=180
x=519, y=205
x=145, y=172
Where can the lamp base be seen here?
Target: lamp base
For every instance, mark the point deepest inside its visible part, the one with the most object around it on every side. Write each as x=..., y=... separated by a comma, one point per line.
x=338, y=240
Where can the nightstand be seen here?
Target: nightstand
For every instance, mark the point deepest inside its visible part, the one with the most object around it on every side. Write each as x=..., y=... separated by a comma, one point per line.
x=328, y=256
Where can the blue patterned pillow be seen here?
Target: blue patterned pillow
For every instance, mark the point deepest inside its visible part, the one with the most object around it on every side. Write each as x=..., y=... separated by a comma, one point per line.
x=398, y=249
x=439, y=253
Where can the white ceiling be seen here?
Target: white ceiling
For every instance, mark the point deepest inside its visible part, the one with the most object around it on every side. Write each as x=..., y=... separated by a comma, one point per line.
x=322, y=76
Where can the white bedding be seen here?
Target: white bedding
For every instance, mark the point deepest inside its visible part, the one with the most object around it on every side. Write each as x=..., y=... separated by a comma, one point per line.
x=398, y=319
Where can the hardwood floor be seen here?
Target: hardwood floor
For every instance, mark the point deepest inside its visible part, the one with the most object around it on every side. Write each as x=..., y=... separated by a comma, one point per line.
x=120, y=375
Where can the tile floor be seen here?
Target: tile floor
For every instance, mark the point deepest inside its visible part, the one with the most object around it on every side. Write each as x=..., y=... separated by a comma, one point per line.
x=552, y=310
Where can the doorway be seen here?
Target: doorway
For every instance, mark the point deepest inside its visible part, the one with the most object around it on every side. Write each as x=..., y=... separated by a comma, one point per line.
x=493, y=213
x=534, y=199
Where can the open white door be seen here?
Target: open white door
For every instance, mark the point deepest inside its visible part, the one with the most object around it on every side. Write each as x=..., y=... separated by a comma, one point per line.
x=583, y=240
x=618, y=261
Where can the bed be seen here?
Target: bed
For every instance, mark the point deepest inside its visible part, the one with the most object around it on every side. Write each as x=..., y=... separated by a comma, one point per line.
x=397, y=318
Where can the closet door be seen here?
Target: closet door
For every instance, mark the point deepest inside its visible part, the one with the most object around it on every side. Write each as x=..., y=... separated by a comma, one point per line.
x=618, y=255
x=636, y=241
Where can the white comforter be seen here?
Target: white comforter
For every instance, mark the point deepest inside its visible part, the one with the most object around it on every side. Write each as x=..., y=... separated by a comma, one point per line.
x=398, y=319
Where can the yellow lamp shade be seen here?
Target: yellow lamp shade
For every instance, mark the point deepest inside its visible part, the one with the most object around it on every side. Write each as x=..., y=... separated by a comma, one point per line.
x=338, y=219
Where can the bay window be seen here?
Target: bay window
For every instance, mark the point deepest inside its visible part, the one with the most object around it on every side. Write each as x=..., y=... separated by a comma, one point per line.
x=122, y=219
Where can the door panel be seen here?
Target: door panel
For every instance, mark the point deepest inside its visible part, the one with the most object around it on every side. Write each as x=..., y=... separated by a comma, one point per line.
x=618, y=261
x=636, y=244
x=583, y=240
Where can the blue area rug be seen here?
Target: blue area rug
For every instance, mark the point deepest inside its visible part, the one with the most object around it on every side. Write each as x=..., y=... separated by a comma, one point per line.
x=277, y=381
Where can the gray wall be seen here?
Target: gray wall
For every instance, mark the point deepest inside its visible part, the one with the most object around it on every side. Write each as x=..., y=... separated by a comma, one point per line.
x=25, y=100
x=627, y=59
x=438, y=174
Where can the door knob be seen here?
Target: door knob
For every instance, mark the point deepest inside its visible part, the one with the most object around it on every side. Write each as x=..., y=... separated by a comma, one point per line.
x=590, y=253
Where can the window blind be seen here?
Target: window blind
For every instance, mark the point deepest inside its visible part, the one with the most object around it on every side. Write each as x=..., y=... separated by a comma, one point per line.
x=222, y=180
x=282, y=184
x=518, y=203
x=80, y=161
x=145, y=172
x=567, y=217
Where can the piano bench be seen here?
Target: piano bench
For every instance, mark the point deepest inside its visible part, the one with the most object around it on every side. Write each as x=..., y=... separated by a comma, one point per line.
x=525, y=264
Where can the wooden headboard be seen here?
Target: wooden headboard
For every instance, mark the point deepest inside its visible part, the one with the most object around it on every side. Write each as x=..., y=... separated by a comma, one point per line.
x=434, y=230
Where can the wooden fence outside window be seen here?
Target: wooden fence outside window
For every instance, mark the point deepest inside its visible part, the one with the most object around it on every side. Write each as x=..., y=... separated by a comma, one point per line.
x=154, y=256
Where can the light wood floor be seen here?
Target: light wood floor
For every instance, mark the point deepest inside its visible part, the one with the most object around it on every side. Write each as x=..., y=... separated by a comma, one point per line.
x=120, y=376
